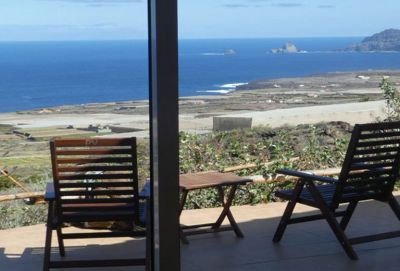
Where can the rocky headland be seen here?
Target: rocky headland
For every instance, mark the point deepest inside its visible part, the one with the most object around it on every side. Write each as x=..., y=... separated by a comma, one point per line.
x=385, y=41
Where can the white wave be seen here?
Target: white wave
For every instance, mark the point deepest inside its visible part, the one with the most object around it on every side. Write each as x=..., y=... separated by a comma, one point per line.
x=220, y=91
x=232, y=85
x=213, y=54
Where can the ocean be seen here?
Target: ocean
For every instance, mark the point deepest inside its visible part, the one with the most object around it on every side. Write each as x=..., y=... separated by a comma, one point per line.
x=44, y=74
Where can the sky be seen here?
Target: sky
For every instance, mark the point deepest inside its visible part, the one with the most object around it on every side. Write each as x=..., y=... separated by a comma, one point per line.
x=36, y=20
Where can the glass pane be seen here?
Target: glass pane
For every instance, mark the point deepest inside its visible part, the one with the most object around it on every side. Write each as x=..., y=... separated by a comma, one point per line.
x=277, y=84
x=67, y=69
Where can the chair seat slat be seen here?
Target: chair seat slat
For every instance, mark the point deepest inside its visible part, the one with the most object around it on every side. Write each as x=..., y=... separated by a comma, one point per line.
x=358, y=166
x=96, y=177
x=96, y=200
x=382, y=126
x=98, y=216
x=93, y=152
x=379, y=143
x=97, y=207
x=97, y=192
x=94, y=168
x=375, y=158
x=376, y=150
x=380, y=135
x=373, y=181
x=95, y=185
x=372, y=188
x=370, y=173
x=93, y=142
x=94, y=160
x=89, y=210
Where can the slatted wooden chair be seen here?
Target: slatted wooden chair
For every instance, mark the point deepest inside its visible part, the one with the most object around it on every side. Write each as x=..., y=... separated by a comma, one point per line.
x=95, y=180
x=370, y=170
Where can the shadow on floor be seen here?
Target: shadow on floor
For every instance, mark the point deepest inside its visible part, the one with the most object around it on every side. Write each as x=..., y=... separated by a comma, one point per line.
x=305, y=246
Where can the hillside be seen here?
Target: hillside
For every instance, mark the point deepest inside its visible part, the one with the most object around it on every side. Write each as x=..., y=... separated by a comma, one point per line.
x=387, y=40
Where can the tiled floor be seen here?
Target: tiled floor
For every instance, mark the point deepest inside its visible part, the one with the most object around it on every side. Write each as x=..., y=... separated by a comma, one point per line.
x=305, y=246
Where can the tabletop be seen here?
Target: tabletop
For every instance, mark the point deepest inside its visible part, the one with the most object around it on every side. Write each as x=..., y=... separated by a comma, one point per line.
x=193, y=181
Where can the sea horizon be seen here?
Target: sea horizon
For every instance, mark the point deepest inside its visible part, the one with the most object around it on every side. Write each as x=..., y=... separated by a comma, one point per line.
x=184, y=39
x=39, y=74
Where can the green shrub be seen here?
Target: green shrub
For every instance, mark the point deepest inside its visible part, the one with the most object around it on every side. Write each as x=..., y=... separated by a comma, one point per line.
x=17, y=214
x=392, y=100
x=316, y=146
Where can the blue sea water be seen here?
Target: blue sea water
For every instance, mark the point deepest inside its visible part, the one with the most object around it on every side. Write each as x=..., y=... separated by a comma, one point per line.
x=43, y=74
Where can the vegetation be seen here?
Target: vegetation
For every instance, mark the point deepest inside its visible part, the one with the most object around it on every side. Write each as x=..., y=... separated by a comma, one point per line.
x=317, y=146
x=392, y=100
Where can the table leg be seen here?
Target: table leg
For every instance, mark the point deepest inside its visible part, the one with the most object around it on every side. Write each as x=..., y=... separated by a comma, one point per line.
x=182, y=205
x=226, y=212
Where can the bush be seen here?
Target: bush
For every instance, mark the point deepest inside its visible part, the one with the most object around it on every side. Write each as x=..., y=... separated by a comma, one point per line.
x=17, y=214
x=317, y=146
x=392, y=100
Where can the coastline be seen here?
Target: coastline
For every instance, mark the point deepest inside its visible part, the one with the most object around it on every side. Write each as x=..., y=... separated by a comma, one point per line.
x=272, y=98
x=25, y=134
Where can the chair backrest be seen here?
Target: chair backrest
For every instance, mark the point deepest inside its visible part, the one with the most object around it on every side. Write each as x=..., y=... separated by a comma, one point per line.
x=94, y=171
x=371, y=165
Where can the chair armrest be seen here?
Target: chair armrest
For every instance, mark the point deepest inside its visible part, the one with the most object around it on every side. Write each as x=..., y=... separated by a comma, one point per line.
x=49, y=195
x=307, y=176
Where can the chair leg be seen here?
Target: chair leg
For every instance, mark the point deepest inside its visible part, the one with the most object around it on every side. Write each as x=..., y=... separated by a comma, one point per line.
x=60, y=241
x=333, y=223
x=288, y=212
x=349, y=212
x=395, y=206
x=49, y=231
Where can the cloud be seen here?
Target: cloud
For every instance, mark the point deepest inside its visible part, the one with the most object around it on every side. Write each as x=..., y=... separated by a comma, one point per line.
x=262, y=3
x=95, y=2
x=98, y=3
x=41, y=32
x=287, y=5
x=326, y=6
x=235, y=6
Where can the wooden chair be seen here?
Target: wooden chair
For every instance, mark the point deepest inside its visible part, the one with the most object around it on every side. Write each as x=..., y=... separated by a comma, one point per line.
x=95, y=180
x=370, y=170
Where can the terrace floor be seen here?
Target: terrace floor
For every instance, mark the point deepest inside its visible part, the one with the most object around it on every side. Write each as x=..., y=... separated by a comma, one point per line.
x=305, y=246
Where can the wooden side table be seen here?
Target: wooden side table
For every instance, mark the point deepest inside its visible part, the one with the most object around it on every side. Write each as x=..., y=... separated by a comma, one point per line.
x=190, y=182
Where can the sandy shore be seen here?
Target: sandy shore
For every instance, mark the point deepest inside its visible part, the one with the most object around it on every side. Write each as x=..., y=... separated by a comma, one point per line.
x=349, y=112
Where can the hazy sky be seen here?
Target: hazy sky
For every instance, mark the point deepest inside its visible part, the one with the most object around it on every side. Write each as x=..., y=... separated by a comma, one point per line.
x=126, y=19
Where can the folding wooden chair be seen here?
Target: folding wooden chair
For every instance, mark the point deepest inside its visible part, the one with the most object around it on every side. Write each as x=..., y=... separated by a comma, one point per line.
x=370, y=170
x=95, y=180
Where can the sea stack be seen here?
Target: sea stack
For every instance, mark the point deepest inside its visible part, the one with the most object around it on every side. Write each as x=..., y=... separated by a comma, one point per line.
x=230, y=52
x=287, y=48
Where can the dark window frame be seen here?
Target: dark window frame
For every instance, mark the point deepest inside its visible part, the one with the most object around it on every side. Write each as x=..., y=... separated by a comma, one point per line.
x=164, y=134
